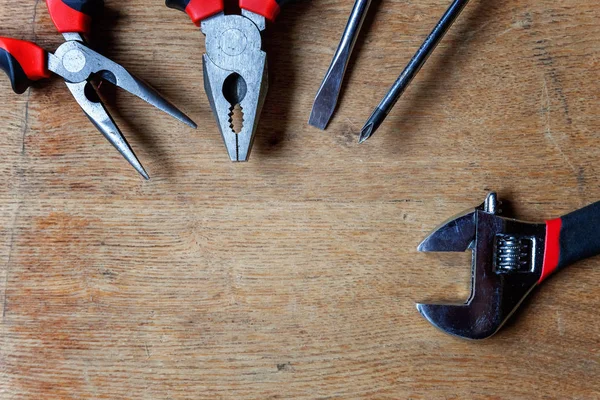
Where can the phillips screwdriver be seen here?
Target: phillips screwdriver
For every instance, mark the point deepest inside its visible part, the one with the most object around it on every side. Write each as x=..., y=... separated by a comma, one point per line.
x=412, y=69
x=327, y=96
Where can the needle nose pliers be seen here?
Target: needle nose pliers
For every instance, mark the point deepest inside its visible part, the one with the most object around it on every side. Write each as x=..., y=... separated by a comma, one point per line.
x=235, y=67
x=77, y=64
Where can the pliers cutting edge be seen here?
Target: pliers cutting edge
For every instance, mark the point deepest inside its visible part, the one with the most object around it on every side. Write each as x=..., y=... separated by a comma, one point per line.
x=235, y=67
x=77, y=64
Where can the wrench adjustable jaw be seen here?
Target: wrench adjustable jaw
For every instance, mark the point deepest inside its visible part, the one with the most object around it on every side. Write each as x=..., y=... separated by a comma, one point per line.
x=507, y=264
x=235, y=75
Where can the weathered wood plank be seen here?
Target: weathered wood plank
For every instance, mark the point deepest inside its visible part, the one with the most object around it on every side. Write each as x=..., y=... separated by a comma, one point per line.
x=295, y=275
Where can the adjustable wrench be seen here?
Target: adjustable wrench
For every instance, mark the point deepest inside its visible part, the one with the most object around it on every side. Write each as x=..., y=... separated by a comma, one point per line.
x=510, y=258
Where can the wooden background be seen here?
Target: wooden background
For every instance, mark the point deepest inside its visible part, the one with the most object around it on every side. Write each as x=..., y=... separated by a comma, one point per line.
x=295, y=275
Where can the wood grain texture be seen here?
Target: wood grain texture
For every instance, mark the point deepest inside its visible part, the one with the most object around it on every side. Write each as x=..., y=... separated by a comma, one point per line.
x=295, y=275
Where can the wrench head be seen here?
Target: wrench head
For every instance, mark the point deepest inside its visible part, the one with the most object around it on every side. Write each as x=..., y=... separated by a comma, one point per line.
x=454, y=235
x=506, y=265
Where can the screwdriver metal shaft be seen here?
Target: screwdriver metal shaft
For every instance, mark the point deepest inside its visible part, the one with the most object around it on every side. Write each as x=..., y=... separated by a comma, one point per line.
x=412, y=69
x=327, y=96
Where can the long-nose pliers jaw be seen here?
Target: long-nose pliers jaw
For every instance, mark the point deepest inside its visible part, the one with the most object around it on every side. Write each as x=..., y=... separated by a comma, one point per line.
x=80, y=67
x=77, y=63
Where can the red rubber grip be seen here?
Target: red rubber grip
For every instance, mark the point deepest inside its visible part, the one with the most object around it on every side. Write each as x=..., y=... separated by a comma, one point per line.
x=202, y=9
x=31, y=57
x=267, y=8
x=67, y=19
x=552, y=248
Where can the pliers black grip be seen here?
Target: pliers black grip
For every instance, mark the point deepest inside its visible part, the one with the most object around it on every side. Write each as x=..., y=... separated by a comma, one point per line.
x=199, y=10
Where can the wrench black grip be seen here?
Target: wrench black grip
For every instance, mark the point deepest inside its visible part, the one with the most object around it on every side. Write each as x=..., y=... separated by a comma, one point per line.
x=579, y=235
x=23, y=62
x=574, y=237
x=74, y=15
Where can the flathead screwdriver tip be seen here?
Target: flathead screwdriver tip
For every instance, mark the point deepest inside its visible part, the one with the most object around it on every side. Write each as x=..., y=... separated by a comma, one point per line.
x=317, y=119
x=327, y=96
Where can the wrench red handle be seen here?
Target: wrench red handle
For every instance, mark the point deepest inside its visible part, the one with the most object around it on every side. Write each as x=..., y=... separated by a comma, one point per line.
x=74, y=15
x=197, y=9
x=267, y=8
x=571, y=238
x=23, y=62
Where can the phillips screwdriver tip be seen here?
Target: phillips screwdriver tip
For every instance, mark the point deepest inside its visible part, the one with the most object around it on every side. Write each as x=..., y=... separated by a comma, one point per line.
x=366, y=133
x=371, y=125
x=413, y=68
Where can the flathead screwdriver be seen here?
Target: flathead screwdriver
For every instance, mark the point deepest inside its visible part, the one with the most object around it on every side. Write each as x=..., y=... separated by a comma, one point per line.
x=412, y=69
x=327, y=96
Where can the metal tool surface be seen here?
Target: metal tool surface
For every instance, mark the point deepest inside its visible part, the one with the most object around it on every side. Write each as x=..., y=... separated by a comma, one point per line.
x=329, y=91
x=510, y=258
x=411, y=70
x=235, y=66
x=79, y=66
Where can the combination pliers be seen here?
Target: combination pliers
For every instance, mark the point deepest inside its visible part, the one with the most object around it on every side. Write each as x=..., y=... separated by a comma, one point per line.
x=235, y=67
x=78, y=65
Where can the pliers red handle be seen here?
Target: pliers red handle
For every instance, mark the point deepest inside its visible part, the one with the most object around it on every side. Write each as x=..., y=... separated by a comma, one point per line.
x=202, y=9
x=74, y=15
x=25, y=62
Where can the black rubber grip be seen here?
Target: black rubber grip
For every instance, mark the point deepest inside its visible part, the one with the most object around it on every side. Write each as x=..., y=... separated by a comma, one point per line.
x=180, y=5
x=579, y=235
x=18, y=79
x=93, y=8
